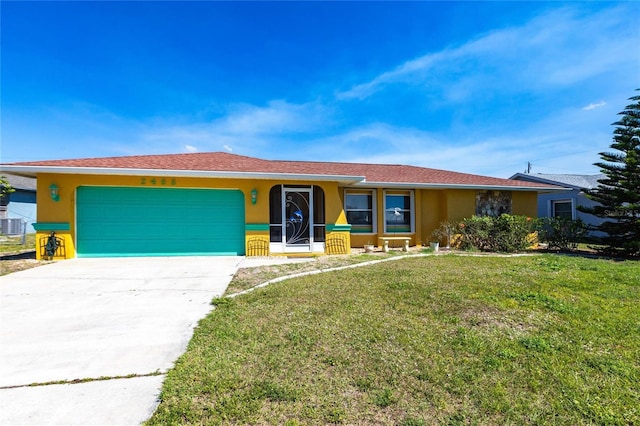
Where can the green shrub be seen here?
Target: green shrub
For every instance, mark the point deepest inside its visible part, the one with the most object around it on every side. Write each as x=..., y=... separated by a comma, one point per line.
x=505, y=233
x=476, y=233
x=560, y=233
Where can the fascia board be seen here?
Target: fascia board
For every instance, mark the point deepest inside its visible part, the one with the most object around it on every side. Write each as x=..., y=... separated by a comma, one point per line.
x=415, y=185
x=358, y=181
x=34, y=170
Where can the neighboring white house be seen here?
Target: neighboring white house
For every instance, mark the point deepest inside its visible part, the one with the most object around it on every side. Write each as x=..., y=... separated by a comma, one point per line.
x=564, y=204
x=19, y=205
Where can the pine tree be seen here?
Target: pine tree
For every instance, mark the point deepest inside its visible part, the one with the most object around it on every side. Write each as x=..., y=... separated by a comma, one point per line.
x=618, y=193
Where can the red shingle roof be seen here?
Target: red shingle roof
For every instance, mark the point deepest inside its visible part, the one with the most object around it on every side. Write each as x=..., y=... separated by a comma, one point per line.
x=225, y=162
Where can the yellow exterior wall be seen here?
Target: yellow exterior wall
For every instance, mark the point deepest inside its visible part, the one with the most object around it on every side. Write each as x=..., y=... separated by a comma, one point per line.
x=59, y=212
x=63, y=211
x=460, y=203
x=429, y=215
x=446, y=205
x=524, y=203
x=432, y=206
x=359, y=240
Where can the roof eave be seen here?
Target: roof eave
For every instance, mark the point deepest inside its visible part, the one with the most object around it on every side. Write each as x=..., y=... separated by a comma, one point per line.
x=32, y=171
x=418, y=185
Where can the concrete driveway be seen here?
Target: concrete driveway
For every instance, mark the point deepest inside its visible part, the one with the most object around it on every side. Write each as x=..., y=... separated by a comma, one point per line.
x=88, y=319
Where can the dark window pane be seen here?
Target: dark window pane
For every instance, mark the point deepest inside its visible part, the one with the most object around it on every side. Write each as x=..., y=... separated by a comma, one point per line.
x=562, y=209
x=358, y=202
x=359, y=212
x=318, y=234
x=318, y=205
x=275, y=233
x=275, y=204
x=359, y=218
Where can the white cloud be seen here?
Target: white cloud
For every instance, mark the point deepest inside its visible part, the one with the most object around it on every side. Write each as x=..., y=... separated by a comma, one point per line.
x=544, y=143
x=246, y=128
x=190, y=148
x=276, y=118
x=562, y=47
x=400, y=74
x=594, y=106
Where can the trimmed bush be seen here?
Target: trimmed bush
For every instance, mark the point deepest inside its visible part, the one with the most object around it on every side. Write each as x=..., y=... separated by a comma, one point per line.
x=505, y=233
x=560, y=233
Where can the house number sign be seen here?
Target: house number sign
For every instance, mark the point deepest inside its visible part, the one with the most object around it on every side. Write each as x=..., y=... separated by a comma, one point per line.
x=157, y=181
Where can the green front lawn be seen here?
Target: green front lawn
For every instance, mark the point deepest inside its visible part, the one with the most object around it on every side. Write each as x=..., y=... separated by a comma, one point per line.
x=451, y=339
x=14, y=244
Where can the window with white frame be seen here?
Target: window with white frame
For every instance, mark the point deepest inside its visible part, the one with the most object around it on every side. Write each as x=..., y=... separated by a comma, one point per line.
x=562, y=209
x=359, y=208
x=398, y=208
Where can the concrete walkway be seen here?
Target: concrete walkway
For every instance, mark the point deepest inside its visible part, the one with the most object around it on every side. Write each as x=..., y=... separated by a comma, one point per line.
x=99, y=318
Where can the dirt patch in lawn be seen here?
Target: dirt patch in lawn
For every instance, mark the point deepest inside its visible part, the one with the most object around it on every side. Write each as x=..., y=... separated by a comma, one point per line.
x=15, y=262
x=246, y=278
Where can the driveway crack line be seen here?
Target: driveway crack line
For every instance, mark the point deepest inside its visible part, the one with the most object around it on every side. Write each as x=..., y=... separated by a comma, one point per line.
x=85, y=380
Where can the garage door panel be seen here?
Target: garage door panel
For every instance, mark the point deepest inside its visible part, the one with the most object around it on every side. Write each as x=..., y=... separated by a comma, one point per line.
x=114, y=221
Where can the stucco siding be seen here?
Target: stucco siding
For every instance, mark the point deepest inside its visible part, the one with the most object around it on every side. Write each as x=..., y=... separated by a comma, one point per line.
x=460, y=203
x=431, y=206
x=524, y=203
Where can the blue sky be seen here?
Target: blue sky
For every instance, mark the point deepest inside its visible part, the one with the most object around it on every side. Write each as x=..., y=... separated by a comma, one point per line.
x=476, y=87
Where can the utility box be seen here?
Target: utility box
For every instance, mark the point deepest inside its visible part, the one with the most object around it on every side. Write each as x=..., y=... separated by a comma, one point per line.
x=12, y=226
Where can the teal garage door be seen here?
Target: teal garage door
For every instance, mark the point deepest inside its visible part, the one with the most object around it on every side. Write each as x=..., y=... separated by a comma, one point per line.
x=123, y=221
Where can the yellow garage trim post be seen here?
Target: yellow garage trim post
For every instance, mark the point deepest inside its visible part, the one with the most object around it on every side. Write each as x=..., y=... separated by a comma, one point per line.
x=338, y=239
x=53, y=241
x=257, y=239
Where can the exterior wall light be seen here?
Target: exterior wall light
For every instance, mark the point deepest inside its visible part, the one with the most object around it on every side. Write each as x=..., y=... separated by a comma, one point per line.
x=54, y=191
x=254, y=196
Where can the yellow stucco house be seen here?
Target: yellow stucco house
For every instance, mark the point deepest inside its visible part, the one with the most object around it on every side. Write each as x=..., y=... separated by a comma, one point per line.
x=225, y=204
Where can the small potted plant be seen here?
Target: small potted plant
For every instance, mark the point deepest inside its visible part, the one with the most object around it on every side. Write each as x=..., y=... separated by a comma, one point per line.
x=368, y=248
x=443, y=232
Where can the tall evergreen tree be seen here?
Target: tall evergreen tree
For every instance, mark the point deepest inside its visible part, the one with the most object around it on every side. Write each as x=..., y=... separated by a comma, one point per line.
x=618, y=194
